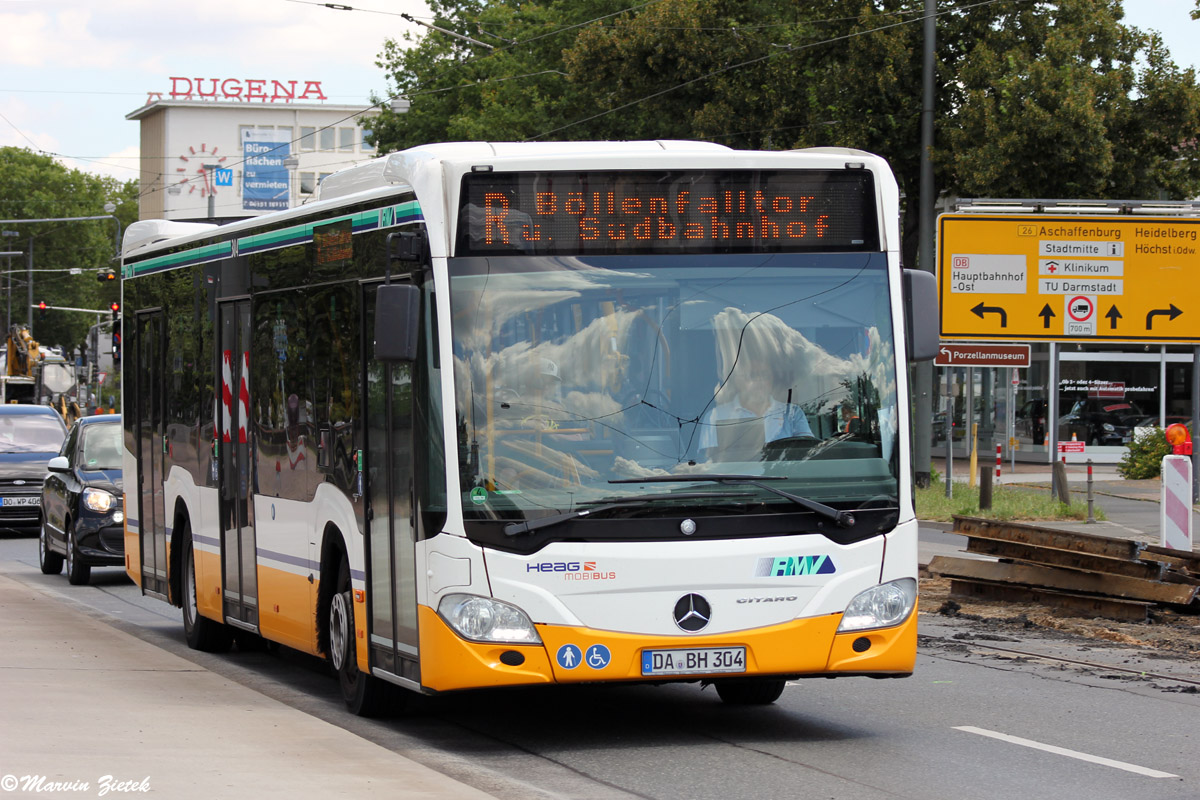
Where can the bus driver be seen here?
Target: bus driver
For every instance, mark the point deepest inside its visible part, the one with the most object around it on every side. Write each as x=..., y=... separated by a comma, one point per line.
x=737, y=430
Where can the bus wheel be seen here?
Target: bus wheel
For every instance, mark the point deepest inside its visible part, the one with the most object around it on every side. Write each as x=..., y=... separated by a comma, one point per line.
x=50, y=561
x=365, y=695
x=201, y=633
x=750, y=691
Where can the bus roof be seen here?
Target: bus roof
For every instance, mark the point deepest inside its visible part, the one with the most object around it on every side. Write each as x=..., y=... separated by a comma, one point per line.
x=426, y=166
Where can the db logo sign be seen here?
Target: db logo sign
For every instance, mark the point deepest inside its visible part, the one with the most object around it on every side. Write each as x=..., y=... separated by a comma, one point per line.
x=961, y=262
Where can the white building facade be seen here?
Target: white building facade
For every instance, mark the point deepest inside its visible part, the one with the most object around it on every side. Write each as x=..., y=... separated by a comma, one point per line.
x=242, y=150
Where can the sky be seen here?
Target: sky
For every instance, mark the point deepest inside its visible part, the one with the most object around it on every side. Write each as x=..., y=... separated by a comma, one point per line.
x=70, y=70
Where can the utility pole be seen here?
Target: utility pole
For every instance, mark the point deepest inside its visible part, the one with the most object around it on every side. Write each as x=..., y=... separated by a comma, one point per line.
x=8, y=254
x=29, y=285
x=923, y=371
x=29, y=253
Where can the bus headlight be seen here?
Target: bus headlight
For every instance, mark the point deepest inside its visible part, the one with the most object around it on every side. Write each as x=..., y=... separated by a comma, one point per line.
x=880, y=606
x=98, y=500
x=482, y=619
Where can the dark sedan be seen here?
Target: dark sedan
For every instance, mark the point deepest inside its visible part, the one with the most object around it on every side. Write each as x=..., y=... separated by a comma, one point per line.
x=1099, y=421
x=81, y=502
x=29, y=437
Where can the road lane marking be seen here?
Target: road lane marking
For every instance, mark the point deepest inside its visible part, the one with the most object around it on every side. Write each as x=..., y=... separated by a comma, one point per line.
x=1062, y=751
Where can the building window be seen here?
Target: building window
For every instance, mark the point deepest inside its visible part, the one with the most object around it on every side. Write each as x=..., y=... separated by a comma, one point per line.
x=308, y=182
x=308, y=138
x=367, y=147
x=323, y=176
x=327, y=140
x=346, y=139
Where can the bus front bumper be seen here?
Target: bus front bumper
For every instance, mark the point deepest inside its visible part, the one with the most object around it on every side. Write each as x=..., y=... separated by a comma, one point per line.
x=801, y=648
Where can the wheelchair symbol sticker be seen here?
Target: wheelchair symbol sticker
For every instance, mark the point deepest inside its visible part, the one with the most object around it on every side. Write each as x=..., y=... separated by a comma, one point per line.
x=569, y=656
x=598, y=656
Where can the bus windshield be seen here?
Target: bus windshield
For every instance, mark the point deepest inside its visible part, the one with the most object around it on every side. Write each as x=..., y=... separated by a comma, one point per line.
x=574, y=375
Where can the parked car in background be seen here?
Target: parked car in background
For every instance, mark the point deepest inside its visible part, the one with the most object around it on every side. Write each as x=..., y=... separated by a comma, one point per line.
x=1099, y=421
x=1030, y=421
x=1149, y=425
x=30, y=436
x=83, y=523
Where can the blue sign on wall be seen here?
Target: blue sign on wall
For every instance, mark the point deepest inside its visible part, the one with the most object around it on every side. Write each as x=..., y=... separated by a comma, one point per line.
x=264, y=177
x=224, y=177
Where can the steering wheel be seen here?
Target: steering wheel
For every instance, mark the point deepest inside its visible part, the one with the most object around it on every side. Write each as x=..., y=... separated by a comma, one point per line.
x=789, y=448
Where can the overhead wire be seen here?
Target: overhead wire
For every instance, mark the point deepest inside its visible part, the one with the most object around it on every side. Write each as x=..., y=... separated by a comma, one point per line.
x=918, y=16
x=782, y=50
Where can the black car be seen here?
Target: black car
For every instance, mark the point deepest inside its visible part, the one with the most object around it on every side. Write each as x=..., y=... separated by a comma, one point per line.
x=1099, y=421
x=30, y=436
x=81, y=501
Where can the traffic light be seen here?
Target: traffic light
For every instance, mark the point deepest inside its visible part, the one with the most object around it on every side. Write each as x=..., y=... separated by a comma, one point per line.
x=115, y=307
x=106, y=275
x=116, y=346
x=42, y=309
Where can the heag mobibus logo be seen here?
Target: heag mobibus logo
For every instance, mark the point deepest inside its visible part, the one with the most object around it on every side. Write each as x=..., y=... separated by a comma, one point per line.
x=572, y=570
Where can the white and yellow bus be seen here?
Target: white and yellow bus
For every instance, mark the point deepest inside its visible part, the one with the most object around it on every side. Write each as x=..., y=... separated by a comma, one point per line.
x=491, y=414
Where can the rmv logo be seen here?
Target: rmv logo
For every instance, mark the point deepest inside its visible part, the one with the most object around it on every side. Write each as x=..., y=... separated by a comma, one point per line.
x=788, y=566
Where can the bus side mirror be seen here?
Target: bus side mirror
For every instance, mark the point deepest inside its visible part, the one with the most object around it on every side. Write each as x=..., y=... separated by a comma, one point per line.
x=920, y=315
x=397, y=317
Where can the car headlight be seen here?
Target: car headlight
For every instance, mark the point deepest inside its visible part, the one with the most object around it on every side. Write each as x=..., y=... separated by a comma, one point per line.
x=482, y=619
x=880, y=606
x=1108, y=427
x=98, y=500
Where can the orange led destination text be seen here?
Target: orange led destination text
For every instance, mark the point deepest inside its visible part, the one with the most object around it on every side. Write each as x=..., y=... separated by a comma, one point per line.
x=605, y=216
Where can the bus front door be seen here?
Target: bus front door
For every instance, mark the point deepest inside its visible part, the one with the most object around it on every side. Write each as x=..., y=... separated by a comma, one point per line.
x=235, y=453
x=149, y=425
x=391, y=533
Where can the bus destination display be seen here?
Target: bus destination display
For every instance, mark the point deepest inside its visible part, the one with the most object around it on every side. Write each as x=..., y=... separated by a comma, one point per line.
x=612, y=213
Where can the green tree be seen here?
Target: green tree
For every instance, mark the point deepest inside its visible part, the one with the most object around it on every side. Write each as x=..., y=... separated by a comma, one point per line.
x=1057, y=99
x=34, y=186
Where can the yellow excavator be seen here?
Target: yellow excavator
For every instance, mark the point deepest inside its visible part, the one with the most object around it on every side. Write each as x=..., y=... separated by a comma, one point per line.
x=23, y=354
x=24, y=376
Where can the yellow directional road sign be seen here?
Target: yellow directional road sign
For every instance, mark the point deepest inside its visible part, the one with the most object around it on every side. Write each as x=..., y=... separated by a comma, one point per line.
x=1069, y=277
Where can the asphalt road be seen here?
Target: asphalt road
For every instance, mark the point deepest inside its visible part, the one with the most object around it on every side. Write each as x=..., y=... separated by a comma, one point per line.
x=947, y=732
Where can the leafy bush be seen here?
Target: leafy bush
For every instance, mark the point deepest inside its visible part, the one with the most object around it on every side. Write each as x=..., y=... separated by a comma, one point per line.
x=1144, y=459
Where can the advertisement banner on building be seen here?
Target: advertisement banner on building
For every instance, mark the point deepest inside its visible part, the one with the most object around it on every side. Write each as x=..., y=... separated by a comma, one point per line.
x=264, y=177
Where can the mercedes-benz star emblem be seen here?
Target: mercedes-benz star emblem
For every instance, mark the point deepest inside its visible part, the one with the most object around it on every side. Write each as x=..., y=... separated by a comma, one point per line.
x=692, y=613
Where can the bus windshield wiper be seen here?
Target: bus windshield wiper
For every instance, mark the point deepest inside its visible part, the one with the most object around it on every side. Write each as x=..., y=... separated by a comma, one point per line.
x=528, y=526
x=844, y=519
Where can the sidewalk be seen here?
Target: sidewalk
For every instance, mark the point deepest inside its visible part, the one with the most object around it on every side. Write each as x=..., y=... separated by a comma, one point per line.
x=80, y=700
x=1105, y=477
x=1138, y=520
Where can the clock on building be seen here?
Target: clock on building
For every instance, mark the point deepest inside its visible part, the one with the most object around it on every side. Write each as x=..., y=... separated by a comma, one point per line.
x=190, y=169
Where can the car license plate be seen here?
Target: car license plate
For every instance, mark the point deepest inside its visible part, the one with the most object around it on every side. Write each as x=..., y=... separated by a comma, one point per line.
x=20, y=501
x=694, y=661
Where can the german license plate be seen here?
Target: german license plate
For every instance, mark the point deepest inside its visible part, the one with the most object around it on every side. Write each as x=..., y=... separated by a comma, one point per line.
x=694, y=661
x=20, y=501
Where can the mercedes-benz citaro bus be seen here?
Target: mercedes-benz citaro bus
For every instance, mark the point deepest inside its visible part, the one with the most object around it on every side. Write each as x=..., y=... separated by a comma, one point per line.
x=496, y=414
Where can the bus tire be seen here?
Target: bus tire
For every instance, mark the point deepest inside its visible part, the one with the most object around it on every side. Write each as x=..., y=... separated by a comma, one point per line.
x=750, y=691
x=78, y=573
x=365, y=695
x=50, y=561
x=201, y=632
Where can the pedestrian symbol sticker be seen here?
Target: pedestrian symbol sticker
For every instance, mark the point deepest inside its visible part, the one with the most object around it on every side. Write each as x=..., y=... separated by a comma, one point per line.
x=598, y=656
x=569, y=656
